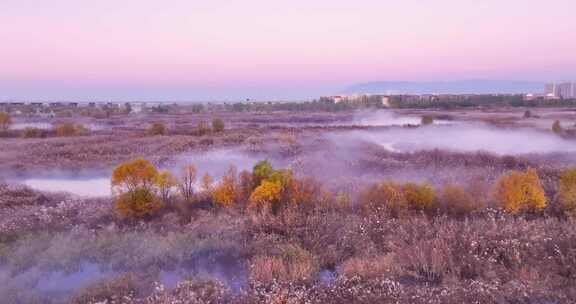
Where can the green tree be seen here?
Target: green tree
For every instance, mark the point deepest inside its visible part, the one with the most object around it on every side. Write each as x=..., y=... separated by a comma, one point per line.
x=261, y=171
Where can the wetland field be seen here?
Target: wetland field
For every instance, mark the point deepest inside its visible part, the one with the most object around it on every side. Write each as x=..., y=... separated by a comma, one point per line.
x=473, y=205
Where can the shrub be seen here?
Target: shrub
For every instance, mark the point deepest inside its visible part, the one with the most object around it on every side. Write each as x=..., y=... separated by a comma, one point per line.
x=165, y=182
x=5, y=121
x=266, y=195
x=138, y=173
x=304, y=191
x=367, y=267
x=32, y=133
x=289, y=263
x=519, y=191
x=384, y=196
x=134, y=184
x=217, y=125
x=207, y=181
x=427, y=120
x=567, y=191
x=157, y=128
x=419, y=196
x=68, y=129
x=138, y=203
x=201, y=129
x=456, y=201
x=557, y=127
x=225, y=193
x=261, y=171
x=187, y=181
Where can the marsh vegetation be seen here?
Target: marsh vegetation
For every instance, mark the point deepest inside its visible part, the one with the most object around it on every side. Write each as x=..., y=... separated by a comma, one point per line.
x=407, y=206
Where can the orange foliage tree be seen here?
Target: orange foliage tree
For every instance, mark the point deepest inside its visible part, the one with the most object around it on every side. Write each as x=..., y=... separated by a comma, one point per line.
x=456, y=201
x=165, y=182
x=70, y=129
x=5, y=121
x=133, y=184
x=387, y=195
x=567, y=191
x=419, y=196
x=225, y=193
x=519, y=191
x=157, y=128
x=267, y=194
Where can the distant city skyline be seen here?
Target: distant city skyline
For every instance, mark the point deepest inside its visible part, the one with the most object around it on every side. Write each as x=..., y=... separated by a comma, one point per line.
x=285, y=49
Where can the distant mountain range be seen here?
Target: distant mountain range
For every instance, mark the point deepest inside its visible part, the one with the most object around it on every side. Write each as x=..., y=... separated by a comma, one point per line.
x=446, y=87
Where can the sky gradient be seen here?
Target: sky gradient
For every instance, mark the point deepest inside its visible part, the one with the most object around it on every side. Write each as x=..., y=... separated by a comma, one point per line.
x=281, y=49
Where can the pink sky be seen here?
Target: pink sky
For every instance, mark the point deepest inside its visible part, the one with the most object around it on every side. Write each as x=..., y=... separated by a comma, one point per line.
x=276, y=48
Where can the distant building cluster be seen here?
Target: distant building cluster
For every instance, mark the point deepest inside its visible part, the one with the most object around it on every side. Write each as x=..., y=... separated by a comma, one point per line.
x=563, y=90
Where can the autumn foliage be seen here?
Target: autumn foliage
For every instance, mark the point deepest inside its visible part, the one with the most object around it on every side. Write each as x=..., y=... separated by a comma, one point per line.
x=567, y=191
x=396, y=198
x=157, y=128
x=520, y=191
x=134, y=184
x=68, y=129
x=5, y=121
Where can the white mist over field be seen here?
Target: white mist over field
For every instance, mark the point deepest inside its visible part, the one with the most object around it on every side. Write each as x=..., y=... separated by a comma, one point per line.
x=466, y=138
x=89, y=187
x=385, y=118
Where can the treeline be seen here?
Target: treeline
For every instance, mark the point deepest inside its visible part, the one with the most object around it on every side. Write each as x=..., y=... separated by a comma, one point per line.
x=141, y=191
x=467, y=101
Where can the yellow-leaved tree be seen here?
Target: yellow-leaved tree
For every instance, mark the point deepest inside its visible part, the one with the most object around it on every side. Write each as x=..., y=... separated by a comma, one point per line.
x=134, y=185
x=5, y=121
x=519, y=191
x=224, y=194
x=165, y=182
x=266, y=195
x=419, y=196
x=567, y=191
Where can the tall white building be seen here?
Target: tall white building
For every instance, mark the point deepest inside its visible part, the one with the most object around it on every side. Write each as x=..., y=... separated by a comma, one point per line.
x=564, y=90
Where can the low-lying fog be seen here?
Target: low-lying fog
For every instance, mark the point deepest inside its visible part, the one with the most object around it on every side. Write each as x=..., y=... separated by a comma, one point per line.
x=85, y=187
x=465, y=138
x=384, y=118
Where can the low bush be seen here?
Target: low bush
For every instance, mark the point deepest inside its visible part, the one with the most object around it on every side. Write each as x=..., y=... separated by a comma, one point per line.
x=157, y=128
x=201, y=129
x=567, y=191
x=456, y=201
x=69, y=129
x=288, y=263
x=519, y=191
x=217, y=125
x=419, y=196
x=5, y=121
x=427, y=120
x=32, y=133
x=138, y=203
